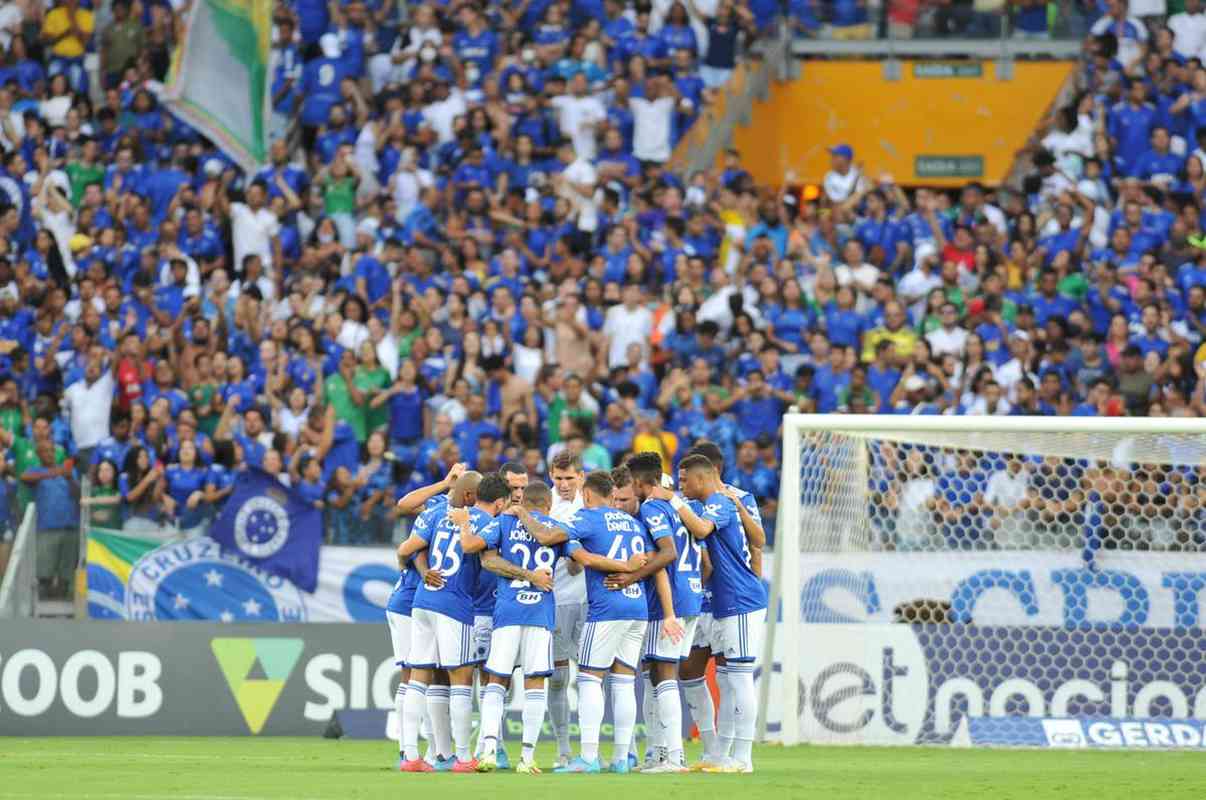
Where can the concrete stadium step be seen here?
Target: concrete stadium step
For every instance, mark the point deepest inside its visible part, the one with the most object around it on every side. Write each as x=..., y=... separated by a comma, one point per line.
x=55, y=609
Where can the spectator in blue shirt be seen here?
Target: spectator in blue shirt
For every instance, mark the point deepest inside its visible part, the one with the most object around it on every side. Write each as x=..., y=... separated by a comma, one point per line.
x=1129, y=124
x=617, y=432
x=1049, y=303
x=1149, y=339
x=54, y=491
x=771, y=225
x=756, y=407
x=1158, y=165
x=750, y=474
x=1095, y=404
x=843, y=324
x=468, y=433
x=321, y=83
x=882, y=376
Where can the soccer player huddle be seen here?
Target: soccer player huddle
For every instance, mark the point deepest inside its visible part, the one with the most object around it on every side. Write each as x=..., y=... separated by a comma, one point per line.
x=612, y=570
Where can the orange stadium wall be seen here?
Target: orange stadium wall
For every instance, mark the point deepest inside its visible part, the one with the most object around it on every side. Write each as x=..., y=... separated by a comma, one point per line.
x=940, y=124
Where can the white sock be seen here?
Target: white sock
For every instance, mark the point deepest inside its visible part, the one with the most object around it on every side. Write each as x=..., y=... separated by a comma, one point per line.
x=745, y=717
x=441, y=723
x=649, y=711
x=461, y=710
x=534, y=702
x=724, y=726
x=494, y=697
x=670, y=720
x=412, y=714
x=425, y=732
x=400, y=711
x=623, y=711
x=703, y=712
x=590, y=713
x=479, y=691
x=559, y=708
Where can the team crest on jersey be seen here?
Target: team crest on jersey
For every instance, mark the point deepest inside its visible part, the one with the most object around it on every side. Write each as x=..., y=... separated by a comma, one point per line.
x=261, y=527
x=196, y=579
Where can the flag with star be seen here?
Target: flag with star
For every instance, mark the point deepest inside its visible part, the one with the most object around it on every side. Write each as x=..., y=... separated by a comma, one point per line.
x=269, y=525
x=215, y=591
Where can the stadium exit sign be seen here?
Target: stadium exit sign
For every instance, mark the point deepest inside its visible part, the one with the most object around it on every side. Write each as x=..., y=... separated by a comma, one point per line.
x=948, y=69
x=948, y=166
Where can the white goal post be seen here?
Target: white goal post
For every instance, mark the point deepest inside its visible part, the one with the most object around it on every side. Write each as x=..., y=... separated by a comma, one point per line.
x=1003, y=530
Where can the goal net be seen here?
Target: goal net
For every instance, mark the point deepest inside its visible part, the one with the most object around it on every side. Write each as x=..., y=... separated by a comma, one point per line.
x=988, y=580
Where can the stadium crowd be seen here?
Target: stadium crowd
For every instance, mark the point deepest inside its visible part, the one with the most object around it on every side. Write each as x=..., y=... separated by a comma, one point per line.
x=469, y=247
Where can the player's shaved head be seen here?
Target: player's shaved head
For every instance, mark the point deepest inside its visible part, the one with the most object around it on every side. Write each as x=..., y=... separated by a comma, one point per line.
x=538, y=496
x=695, y=463
x=711, y=451
x=600, y=486
x=464, y=491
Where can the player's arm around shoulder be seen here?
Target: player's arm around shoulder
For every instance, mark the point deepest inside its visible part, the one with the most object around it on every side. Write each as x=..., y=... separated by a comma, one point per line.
x=754, y=532
x=547, y=535
x=493, y=561
x=414, y=544
x=579, y=553
x=470, y=541
x=700, y=527
x=663, y=554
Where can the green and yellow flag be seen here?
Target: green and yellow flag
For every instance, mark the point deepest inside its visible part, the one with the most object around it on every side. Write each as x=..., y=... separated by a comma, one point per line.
x=110, y=558
x=219, y=82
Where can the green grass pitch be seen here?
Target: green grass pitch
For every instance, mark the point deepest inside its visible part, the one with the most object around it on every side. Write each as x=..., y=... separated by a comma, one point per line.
x=317, y=769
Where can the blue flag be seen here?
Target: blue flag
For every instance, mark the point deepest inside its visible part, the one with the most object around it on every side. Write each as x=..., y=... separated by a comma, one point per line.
x=271, y=526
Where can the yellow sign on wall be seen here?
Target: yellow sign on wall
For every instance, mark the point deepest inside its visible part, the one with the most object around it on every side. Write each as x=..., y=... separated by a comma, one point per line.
x=937, y=125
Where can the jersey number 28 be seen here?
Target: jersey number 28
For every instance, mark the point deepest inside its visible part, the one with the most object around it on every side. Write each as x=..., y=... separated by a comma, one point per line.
x=543, y=558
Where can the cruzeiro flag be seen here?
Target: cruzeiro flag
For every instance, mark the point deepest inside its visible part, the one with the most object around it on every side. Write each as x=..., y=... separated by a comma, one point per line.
x=219, y=77
x=110, y=560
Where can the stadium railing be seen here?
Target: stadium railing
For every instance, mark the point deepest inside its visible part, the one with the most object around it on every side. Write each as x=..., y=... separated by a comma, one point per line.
x=860, y=22
x=19, y=584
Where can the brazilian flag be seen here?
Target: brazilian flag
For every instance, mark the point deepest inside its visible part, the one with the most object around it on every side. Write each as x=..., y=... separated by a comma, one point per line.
x=110, y=558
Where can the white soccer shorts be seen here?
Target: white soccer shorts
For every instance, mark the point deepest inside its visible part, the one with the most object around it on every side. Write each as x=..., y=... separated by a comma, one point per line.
x=661, y=648
x=483, y=626
x=438, y=641
x=567, y=633
x=399, y=635
x=609, y=641
x=525, y=646
x=705, y=632
x=740, y=636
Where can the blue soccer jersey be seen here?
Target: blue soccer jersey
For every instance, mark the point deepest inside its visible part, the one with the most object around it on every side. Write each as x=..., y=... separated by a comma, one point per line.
x=735, y=587
x=751, y=504
x=439, y=502
x=456, y=597
x=402, y=599
x=611, y=533
x=661, y=520
x=518, y=602
x=487, y=588
x=705, y=605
